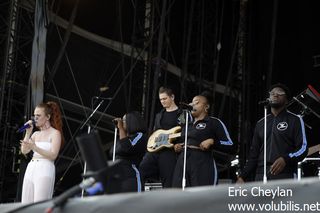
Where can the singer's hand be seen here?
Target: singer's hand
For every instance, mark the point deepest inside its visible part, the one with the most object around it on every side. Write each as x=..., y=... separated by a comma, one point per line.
x=30, y=144
x=119, y=123
x=277, y=166
x=23, y=143
x=205, y=145
x=121, y=127
x=240, y=180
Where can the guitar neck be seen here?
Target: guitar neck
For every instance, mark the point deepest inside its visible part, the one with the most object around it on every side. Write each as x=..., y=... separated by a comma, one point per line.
x=175, y=135
x=313, y=149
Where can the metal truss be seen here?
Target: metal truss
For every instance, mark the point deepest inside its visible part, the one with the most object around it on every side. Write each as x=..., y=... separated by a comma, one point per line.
x=16, y=38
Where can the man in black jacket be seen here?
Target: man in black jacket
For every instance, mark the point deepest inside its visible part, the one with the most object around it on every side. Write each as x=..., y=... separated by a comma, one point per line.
x=160, y=165
x=286, y=140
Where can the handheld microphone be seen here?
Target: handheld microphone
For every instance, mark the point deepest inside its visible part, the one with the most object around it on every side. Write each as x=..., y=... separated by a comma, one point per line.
x=26, y=126
x=265, y=102
x=186, y=106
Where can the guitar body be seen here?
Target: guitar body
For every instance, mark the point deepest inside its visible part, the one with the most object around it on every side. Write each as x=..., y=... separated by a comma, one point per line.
x=163, y=139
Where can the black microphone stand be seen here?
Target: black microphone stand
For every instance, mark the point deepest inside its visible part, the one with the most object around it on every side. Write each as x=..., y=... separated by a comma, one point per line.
x=94, y=111
x=306, y=109
x=89, y=130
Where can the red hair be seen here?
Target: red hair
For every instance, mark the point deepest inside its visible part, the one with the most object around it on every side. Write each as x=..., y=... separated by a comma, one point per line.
x=53, y=110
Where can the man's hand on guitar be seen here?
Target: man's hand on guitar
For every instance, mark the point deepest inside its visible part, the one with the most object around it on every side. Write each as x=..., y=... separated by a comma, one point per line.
x=205, y=145
x=178, y=147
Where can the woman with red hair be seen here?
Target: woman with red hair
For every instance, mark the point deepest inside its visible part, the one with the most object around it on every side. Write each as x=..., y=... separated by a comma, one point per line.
x=39, y=178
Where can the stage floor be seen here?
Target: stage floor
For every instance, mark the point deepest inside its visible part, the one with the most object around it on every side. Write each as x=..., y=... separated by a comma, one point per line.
x=275, y=196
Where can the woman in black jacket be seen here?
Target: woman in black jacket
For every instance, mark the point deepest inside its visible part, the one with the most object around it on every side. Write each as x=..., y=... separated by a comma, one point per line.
x=130, y=149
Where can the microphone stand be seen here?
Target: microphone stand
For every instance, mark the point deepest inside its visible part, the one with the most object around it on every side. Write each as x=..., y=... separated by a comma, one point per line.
x=94, y=111
x=265, y=146
x=114, y=143
x=185, y=149
x=89, y=130
x=306, y=108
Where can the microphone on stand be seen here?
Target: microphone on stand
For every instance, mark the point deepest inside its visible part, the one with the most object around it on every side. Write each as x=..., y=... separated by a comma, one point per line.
x=26, y=126
x=186, y=106
x=265, y=102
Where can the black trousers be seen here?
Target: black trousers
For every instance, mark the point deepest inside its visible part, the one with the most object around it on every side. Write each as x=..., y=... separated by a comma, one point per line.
x=125, y=178
x=286, y=174
x=159, y=165
x=200, y=169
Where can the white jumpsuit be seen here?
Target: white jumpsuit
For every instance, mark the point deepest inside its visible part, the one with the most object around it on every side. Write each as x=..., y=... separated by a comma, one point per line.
x=38, y=181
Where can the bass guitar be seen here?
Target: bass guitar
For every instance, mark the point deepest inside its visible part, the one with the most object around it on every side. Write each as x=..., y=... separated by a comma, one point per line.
x=163, y=139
